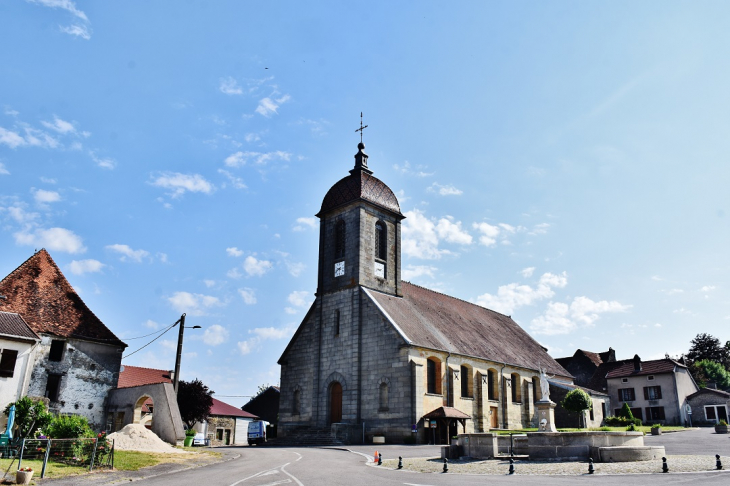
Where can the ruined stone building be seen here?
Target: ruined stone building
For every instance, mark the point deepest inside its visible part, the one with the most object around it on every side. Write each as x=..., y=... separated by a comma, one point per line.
x=77, y=360
x=387, y=357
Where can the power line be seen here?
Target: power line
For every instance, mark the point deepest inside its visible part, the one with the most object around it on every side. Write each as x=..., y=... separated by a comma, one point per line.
x=146, y=335
x=155, y=339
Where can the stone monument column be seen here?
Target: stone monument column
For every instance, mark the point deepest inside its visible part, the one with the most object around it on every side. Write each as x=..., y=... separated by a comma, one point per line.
x=546, y=415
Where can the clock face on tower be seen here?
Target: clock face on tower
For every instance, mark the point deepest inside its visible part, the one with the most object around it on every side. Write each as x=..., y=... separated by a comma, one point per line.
x=339, y=269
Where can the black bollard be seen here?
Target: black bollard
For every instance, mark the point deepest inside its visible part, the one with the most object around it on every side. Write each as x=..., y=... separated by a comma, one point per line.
x=380, y=459
x=719, y=462
x=665, y=468
x=446, y=465
x=400, y=462
x=591, y=469
x=511, y=466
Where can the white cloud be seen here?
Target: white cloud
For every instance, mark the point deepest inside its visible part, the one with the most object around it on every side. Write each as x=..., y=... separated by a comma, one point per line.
x=235, y=181
x=268, y=106
x=209, y=283
x=230, y=86
x=61, y=126
x=299, y=298
x=11, y=112
x=272, y=332
x=103, y=162
x=193, y=304
x=80, y=267
x=406, y=169
x=248, y=296
x=215, y=335
x=295, y=269
x=673, y=291
x=489, y=233
x=449, y=231
x=234, y=252
x=3, y=170
x=21, y=216
x=245, y=347
x=179, y=183
x=11, y=139
x=707, y=288
x=420, y=239
x=239, y=159
x=256, y=267
x=540, y=229
x=127, y=252
x=77, y=30
x=513, y=296
x=304, y=224
x=527, y=272
x=151, y=324
x=234, y=273
x=79, y=27
x=448, y=190
x=414, y=271
x=54, y=239
x=42, y=196
x=561, y=318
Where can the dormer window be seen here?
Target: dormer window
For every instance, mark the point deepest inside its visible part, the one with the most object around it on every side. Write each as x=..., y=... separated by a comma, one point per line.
x=650, y=377
x=340, y=239
x=624, y=380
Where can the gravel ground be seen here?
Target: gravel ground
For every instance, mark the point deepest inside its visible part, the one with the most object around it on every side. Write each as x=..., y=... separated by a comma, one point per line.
x=501, y=467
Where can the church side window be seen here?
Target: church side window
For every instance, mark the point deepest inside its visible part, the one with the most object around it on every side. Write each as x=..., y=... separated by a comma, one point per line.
x=297, y=402
x=340, y=239
x=433, y=375
x=492, y=390
x=380, y=240
x=337, y=322
x=516, y=388
x=383, y=395
x=466, y=382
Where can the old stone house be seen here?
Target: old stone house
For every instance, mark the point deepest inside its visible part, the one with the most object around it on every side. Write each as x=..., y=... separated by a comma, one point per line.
x=709, y=406
x=18, y=343
x=77, y=360
x=226, y=425
x=656, y=390
x=378, y=354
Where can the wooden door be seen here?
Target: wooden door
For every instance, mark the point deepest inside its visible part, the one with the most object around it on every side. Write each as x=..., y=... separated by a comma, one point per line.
x=493, y=422
x=335, y=403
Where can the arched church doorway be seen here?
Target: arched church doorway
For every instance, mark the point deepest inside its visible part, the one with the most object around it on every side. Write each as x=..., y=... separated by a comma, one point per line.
x=335, y=403
x=143, y=409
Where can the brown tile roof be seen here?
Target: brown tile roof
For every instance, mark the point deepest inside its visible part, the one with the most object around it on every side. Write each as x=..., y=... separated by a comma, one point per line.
x=136, y=376
x=595, y=358
x=222, y=408
x=653, y=367
x=360, y=185
x=598, y=381
x=38, y=291
x=12, y=325
x=447, y=412
x=571, y=386
x=712, y=391
x=437, y=321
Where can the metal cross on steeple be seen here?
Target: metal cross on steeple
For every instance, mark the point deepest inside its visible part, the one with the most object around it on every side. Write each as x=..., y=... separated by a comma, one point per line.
x=361, y=127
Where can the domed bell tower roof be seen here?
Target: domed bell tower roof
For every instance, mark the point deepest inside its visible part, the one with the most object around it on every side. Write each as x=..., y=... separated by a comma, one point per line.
x=360, y=185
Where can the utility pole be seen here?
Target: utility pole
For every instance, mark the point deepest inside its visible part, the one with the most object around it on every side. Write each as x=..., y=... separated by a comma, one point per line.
x=181, y=322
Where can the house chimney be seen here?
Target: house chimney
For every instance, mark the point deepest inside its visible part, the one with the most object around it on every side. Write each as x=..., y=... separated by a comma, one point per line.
x=637, y=363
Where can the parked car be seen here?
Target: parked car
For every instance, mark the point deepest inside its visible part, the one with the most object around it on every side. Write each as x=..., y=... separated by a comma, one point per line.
x=200, y=440
x=256, y=432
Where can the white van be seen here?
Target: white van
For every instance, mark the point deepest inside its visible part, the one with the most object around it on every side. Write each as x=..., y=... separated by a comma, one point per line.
x=256, y=432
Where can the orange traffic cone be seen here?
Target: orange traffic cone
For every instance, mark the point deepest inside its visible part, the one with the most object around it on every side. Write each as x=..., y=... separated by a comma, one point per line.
x=376, y=457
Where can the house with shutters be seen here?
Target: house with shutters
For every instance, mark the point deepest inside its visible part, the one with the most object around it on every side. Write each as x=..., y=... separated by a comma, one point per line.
x=76, y=361
x=657, y=391
x=376, y=355
x=18, y=344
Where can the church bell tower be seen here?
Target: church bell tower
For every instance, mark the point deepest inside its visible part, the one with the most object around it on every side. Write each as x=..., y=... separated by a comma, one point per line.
x=360, y=233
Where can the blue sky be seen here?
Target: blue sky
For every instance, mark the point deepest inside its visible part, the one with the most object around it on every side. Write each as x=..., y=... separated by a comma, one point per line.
x=561, y=162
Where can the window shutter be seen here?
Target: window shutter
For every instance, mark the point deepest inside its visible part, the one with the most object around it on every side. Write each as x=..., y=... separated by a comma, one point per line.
x=646, y=393
x=659, y=393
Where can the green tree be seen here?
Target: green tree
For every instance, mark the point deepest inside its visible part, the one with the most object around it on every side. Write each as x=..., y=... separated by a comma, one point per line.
x=194, y=400
x=708, y=347
x=705, y=370
x=577, y=401
x=29, y=415
x=625, y=412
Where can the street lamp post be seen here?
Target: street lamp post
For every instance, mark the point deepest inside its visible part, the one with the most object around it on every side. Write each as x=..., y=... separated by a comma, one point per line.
x=181, y=322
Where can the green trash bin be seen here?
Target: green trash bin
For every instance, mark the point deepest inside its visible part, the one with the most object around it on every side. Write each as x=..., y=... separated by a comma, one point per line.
x=188, y=440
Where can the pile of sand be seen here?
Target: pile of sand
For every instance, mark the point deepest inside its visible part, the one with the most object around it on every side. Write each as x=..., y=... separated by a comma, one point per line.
x=136, y=437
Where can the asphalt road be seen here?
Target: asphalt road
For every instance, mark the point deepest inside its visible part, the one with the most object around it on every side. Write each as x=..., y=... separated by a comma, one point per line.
x=270, y=466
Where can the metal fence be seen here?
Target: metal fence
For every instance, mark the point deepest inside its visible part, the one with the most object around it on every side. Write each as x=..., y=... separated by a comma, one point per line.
x=91, y=453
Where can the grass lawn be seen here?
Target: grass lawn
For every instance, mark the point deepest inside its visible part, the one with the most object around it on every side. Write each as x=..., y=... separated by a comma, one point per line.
x=123, y=461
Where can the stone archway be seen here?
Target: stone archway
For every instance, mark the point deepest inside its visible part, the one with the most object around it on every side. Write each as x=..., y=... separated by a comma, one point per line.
x=143, y=411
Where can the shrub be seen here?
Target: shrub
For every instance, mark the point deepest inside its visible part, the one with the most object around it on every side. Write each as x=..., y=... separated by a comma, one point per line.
x=190, y=433
x=626, y=412
x=29, y=415
x=722, y=422
x=621, y=421
x=656, y=426
x=632, y=428
x=69, y=427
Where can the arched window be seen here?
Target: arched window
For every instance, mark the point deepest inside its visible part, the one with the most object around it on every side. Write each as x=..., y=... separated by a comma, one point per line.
x=380, y=240
x=297, y=402
x=492, y=390
x=516, y=388
x=466, y=382
x=433, y=376
x=535, y=388
x=383, y=397
x=340, y=239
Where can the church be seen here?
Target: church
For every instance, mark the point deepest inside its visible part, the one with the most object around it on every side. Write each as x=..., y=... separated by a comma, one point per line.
x=379, y=356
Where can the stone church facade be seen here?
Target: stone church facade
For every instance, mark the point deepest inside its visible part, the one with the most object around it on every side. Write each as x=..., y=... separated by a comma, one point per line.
x=381, y=355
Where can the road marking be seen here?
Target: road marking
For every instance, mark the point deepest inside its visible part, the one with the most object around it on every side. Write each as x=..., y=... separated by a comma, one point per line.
x=262, y=473
x=283, y=481
x=287, y=472
x=267, y=473
x=275, y=470
x=414, y=484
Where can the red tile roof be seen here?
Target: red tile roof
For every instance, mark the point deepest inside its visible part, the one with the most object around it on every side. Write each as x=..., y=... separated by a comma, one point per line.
x=13, y=326
x=447, y=412
x=38, y=291
x=437, y=321
x=654, y=367
x=136, y=376
x=222, y=408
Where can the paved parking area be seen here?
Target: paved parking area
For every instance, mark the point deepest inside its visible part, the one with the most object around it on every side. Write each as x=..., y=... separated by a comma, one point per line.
x=702, y=441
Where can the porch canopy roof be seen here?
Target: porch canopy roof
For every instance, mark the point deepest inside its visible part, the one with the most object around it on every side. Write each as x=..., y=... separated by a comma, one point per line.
x=447, y=413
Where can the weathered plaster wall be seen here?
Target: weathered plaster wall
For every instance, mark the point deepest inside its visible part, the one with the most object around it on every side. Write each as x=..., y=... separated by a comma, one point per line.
x=88, y=372
x=15, y=387
x=166, y=420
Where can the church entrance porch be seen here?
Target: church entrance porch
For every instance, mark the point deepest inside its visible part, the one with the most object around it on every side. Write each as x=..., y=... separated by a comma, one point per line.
x=335, y=403
x=447, y=420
